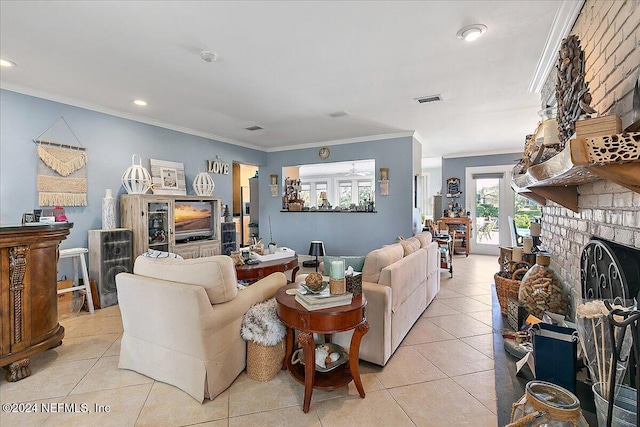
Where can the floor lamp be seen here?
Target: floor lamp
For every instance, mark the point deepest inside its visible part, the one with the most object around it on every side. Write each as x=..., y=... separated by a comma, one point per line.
x=316, y=249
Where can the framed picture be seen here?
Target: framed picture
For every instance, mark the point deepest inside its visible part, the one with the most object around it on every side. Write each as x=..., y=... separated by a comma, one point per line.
x=167, y=177
x=453, y=187
x=28, y=217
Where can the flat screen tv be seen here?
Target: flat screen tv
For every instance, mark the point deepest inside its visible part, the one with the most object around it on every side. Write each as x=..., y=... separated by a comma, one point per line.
x=192, y=220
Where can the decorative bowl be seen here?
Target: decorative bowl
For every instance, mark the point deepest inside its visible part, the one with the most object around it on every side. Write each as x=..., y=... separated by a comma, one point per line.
x=316, y=290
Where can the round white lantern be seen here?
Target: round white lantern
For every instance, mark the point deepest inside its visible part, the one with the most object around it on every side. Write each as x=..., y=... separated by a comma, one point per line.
x=203, y=184
x=136, y=179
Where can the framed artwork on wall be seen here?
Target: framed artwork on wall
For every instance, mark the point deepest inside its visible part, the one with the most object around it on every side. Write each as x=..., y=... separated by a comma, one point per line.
x=167, y=177
x=453, y=187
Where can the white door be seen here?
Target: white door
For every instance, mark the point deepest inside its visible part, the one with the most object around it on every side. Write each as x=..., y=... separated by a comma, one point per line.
x=489, y=199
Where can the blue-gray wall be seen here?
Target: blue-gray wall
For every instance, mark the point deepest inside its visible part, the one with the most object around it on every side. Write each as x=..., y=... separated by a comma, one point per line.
x=456, y=168
x=343, y=233
x=110, y=141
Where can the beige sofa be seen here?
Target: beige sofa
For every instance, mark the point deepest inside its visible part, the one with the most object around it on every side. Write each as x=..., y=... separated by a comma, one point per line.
x=399, y=281
x=182, y=321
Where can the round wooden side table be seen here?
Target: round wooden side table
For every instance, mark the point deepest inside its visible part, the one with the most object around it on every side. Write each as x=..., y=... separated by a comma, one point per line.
x=326, y=321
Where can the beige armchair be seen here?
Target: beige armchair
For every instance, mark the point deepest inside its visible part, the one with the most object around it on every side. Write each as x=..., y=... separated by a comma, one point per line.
x=182, y=321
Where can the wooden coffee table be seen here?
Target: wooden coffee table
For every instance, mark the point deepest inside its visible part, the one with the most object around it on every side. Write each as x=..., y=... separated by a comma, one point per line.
x=327, y=321
x=255, y=272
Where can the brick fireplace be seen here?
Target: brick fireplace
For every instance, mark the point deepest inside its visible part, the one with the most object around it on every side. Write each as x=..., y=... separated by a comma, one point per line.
x=606, y=210
x=608, y=31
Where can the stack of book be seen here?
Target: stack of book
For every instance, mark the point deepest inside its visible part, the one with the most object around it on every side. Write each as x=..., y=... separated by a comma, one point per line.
x=323, y=300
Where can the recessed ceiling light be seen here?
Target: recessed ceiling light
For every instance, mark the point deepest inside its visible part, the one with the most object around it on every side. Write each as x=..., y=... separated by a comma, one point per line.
x=208, y=56
x=140, y=102
x=7, y=63
x=472, y=32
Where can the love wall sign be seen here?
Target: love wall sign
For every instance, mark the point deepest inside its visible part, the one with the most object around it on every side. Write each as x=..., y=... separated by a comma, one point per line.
x=217, y=166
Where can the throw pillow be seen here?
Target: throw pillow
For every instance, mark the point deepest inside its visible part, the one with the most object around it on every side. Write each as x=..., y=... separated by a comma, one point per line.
x=424, y=238
x=355, y=262
x=152, y=253
x=216, y=274
x=410, y=245
x=378, y=259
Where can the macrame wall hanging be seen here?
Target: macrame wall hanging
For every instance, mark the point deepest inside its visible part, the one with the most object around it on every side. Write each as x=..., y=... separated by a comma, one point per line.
x=62, y=171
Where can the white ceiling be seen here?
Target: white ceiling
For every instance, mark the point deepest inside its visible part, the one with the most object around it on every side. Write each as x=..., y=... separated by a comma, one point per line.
x=286, y=65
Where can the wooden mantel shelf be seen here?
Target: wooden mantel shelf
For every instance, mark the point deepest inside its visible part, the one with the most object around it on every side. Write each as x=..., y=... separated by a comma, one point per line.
x=584, y=160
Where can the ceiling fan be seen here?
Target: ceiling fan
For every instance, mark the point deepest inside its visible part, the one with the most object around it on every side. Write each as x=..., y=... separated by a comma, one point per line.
x=354, y=172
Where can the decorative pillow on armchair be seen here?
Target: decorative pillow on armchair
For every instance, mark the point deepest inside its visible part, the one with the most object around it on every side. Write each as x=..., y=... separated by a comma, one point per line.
x=216, y=274
x=356, y=262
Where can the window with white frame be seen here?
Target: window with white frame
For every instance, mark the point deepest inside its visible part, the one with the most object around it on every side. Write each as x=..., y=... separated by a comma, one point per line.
x=345, y=193
x=320, y=187
x=311, y=192
x=365, y=191
x=305, y=193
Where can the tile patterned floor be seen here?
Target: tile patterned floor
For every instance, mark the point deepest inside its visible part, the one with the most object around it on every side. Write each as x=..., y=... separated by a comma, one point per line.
x=441, y=375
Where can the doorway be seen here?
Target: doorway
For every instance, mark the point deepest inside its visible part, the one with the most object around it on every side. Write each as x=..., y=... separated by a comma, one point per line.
x=490, y=201
x=245, y=201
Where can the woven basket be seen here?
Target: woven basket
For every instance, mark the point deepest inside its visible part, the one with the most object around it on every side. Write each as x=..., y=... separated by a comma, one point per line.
x=264, y=362
x=507, y=288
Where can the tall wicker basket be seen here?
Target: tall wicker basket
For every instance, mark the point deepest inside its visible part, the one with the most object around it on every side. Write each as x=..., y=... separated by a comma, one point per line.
x=508, y=288
x=264, y=362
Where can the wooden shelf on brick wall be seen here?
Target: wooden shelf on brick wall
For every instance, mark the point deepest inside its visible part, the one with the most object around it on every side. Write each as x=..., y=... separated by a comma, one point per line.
x=613, y=157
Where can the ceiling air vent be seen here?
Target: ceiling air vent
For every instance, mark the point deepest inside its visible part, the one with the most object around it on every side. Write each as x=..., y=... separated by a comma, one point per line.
x=430, y=98
x=254, y=128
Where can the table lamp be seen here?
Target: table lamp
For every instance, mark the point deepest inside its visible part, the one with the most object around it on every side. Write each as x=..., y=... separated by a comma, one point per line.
x=316, y=249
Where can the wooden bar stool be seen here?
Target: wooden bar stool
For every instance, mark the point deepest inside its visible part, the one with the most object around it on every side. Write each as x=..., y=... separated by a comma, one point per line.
x=78, y=254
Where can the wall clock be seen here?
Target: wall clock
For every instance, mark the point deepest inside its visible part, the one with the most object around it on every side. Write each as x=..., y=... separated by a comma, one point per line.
x=324, y=153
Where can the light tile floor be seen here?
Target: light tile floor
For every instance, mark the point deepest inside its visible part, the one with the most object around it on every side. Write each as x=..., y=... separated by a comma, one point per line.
x=441, y=375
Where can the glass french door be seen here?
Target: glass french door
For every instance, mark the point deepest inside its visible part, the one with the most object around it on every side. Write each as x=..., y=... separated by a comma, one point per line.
x=489, y=199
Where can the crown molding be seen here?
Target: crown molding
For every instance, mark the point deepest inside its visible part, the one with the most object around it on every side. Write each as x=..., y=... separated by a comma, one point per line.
x=99, y=109
x=341, y=141
x=560, y=28
x=482, y=153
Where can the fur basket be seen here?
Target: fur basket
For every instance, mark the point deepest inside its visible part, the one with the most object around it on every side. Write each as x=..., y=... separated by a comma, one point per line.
x=264, y=334
x=264, y=362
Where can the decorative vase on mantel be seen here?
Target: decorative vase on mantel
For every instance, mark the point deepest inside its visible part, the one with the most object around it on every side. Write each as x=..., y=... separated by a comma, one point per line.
x=108, y=211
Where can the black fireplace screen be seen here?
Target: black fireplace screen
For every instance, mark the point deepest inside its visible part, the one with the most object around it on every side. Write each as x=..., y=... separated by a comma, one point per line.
x=609, y=270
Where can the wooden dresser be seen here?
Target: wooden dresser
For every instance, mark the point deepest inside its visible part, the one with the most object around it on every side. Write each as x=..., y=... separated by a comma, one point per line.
x=28, y=294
